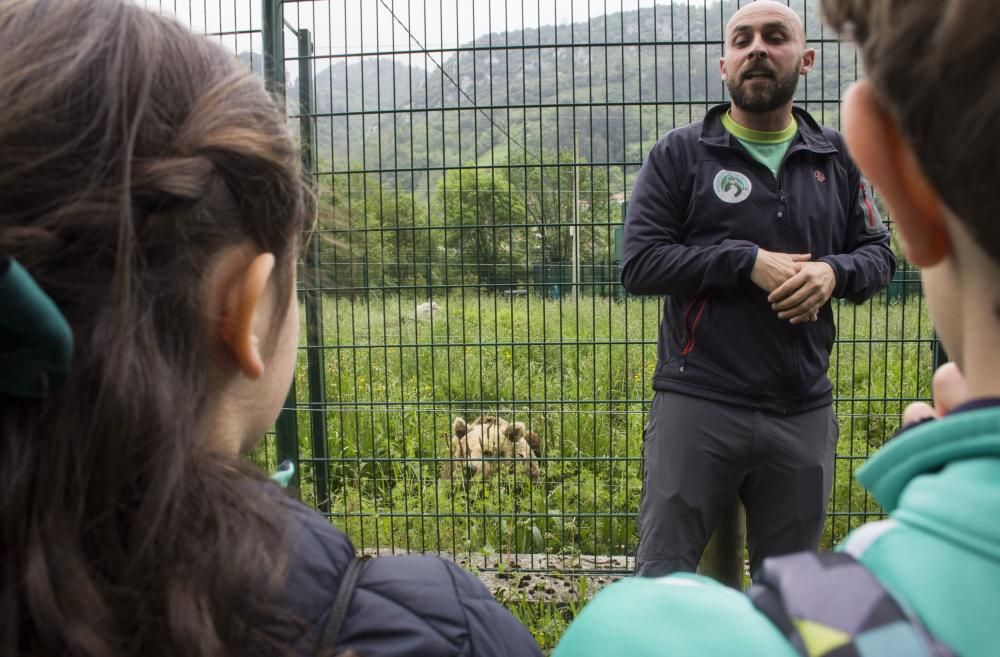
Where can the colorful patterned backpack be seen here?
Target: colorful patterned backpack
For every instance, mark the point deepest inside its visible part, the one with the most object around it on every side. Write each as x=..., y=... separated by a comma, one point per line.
x=830, y=605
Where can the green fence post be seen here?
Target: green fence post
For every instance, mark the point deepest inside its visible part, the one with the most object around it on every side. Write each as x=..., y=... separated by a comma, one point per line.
x=312, y=295
x=274, y=54
x=620, y=292
x=286, y=427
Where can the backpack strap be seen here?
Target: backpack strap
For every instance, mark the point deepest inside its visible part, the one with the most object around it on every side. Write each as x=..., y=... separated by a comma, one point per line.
x=830, y=605
x=330, y=635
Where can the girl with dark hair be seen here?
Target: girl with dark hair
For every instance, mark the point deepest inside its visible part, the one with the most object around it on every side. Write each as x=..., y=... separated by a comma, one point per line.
x=151, y=208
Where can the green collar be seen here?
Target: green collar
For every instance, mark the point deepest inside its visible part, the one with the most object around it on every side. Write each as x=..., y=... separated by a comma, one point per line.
x=759, y=136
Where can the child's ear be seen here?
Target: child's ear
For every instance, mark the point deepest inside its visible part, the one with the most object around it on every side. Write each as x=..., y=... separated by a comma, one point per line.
x=879, y=148
x=243, y=306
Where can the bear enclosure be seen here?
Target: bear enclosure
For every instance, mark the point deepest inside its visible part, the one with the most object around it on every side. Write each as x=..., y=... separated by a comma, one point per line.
x=472, y=161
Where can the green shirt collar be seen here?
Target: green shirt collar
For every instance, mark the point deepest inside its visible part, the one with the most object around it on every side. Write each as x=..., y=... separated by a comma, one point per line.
x=759, y=136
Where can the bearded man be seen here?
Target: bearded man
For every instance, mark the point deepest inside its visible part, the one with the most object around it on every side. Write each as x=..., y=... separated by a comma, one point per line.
x=748, y=221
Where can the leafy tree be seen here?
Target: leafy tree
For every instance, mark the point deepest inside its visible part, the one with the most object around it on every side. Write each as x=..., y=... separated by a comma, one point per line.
x=483, y=217
x=547, y=186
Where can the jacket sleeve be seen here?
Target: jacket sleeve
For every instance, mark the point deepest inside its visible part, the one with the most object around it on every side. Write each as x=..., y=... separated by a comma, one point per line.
x=654, y=258
x=867, y=263
x=401, y=606
x=423, y=605
x=493, y=630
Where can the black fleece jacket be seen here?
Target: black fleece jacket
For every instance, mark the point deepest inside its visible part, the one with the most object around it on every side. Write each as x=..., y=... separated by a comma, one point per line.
x=700, y=208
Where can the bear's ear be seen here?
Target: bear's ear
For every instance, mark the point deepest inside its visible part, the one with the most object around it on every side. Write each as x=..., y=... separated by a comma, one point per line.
x=535, y=441
x=515, y=430
x=458, y=427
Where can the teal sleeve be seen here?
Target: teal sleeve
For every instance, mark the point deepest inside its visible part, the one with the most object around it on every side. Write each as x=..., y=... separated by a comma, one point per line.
x=676, y=616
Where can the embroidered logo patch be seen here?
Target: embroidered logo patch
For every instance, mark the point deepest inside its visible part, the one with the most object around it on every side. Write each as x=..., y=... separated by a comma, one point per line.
x=820, y=176
x=732, y=186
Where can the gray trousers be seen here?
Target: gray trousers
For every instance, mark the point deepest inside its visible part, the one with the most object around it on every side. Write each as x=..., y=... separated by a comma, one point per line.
x=701, y=454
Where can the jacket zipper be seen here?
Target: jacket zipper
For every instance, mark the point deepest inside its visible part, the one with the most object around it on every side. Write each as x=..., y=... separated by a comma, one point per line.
x=794, y=366
x=782, y=202
x=691, y=329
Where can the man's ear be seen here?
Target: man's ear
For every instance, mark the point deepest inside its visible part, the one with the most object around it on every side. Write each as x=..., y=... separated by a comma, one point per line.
x=879, y=148
x=243, y=299
x=808, y=61
x=722, y=68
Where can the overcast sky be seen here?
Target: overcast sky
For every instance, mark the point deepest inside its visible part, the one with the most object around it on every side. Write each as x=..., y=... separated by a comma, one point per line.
x=355, y=26
x=442, y=23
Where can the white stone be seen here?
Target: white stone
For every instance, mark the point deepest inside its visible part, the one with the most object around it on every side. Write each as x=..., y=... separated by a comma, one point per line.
x=428, y=310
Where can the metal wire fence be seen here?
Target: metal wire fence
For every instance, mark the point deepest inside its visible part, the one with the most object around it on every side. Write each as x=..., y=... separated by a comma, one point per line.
x=472, y=160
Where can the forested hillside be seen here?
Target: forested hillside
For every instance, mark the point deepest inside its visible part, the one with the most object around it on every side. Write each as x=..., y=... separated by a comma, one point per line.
x=475, y=164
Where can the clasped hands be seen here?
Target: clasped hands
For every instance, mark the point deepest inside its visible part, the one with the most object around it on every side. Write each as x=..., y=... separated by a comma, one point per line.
x=797, y=286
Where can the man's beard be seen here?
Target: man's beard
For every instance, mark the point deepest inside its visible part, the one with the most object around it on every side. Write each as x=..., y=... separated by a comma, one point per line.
x=769, y=98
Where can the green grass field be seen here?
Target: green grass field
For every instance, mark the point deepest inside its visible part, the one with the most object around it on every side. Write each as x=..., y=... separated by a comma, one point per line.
x=579, y=373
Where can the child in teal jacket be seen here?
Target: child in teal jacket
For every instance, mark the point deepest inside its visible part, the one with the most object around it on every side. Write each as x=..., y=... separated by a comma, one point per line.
x=923, y=128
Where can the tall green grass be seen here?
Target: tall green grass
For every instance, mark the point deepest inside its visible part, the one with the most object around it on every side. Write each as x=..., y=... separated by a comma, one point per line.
x=576, y=371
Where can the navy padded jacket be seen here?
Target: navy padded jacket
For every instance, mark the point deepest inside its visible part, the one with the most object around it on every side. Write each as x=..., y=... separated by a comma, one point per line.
x=403, y=606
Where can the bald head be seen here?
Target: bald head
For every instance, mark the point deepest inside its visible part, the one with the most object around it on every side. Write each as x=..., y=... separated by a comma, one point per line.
x=766, y=11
